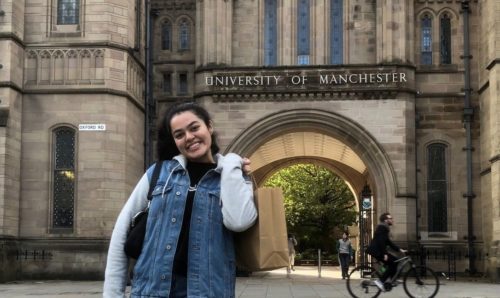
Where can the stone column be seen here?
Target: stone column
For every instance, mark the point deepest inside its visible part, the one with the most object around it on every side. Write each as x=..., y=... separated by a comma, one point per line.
x=214, y=25
x=395, y=33
x=494, y=158
x=320, y=21
x=11, y=76
x=287, y=31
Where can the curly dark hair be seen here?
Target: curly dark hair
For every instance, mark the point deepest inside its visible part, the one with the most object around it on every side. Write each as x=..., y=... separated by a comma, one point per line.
x=166, y=148
x=384, y=216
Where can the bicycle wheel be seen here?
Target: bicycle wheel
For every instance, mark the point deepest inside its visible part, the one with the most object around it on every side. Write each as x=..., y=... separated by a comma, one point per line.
x=421, y=281
x=360, y=282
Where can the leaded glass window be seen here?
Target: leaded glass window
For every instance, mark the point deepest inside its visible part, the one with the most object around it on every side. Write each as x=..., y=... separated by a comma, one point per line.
x=166, y=36
x=437, y=188
x=303, y=36
x=426, y=53
x=64, y=178
x=445, y=36
x=270, y=32
x=184, y=35
x=336, y=31
x=68, y=12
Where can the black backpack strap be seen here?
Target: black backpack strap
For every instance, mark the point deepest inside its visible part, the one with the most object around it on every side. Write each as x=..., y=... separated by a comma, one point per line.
x=154, y=178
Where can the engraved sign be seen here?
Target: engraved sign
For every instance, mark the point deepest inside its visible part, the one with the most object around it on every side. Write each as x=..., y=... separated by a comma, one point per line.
x=92, y=127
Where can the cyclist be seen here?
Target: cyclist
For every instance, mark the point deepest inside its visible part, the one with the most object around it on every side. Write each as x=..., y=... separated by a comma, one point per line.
x=378, y=249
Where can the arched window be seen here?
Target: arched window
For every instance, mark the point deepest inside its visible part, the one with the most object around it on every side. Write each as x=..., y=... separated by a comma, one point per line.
x=63, y=188
x=445, y=39
x=336, y=31
x=426, y=40
x=184, y=33
x=437, y=188
x=270, y=32
x=166, y=35
x=303, y=21
x=68, y=12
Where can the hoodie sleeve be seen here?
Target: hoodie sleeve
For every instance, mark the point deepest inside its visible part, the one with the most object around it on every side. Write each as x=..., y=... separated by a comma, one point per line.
x=115, y=276
x=238, y=208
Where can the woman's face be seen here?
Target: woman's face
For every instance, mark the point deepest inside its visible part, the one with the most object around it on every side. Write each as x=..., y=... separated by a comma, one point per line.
x=192, y=137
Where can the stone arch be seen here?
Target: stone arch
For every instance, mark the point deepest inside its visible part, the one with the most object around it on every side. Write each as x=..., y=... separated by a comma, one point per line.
x=85, y=65
x=58, y=66
x=72, y=68
x=347, y=174
x=45, y=66
x=32, y=67
x=382, y=174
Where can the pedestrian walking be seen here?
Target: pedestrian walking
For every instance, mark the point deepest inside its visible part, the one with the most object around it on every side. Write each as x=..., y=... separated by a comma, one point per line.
x=292, y=242
x=344, y=250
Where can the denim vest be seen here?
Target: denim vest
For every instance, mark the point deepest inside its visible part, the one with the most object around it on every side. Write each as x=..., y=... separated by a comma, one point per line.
x=211, y=258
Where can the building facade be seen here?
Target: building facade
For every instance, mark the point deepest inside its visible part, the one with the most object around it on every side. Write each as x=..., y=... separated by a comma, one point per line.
x=399, y=96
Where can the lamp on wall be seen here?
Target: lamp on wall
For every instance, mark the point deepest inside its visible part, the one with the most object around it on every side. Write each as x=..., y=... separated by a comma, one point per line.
x=366, y=198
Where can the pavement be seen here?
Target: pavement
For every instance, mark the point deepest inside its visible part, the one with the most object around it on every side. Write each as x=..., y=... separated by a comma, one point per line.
x=304, y=282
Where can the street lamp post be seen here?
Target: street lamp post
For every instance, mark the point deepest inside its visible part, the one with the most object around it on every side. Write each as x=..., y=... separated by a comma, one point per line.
x=365, y=211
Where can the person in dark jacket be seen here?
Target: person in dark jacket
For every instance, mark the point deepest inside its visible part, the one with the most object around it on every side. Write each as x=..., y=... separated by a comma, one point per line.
x=378, y=248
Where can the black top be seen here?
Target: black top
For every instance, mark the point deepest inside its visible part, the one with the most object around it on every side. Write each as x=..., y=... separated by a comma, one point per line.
x=196, y=171
x=380, y=241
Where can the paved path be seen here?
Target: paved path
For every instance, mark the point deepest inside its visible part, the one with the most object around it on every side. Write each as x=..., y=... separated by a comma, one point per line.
x=303, y=282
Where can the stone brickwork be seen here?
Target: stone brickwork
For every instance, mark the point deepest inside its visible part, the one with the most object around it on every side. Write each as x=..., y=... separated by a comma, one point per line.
x=53, y=75
x=93, y=72
x=13, y=20
x=102, y=170
x=489, y=82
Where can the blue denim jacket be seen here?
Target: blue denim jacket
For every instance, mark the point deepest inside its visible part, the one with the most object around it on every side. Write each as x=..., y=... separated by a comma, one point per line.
x=211, y=261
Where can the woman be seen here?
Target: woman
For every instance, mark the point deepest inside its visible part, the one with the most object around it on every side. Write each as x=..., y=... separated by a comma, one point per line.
x=344, y=249
x=200, y=198
x=292, y=242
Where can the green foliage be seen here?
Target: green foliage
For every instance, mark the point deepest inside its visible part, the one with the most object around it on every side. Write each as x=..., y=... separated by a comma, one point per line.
x=317, y=202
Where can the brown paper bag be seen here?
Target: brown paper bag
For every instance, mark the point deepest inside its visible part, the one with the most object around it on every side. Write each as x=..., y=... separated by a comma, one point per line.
x=264, y=246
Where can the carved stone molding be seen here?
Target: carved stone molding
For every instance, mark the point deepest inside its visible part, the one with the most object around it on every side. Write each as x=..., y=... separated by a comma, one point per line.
x=174, y=5
x=64, y=66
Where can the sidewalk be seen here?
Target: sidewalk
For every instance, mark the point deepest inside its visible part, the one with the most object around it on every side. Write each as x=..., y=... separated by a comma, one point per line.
x=303, y=282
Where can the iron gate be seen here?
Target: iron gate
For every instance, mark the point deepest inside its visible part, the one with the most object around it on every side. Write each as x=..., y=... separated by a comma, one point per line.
x=365, y=224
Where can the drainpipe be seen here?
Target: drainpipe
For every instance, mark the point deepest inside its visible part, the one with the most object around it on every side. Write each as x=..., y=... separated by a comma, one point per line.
x=148, y=88
x=417, y=205
x=468, y=117
x=138, y=23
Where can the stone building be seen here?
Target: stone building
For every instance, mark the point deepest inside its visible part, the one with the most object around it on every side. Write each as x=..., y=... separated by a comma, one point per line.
x=395, y=96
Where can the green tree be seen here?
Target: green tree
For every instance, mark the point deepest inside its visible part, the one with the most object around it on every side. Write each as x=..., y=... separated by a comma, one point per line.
x=317, y=202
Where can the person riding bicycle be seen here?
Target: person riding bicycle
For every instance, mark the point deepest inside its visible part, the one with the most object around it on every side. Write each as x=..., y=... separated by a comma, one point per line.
x=378, y=249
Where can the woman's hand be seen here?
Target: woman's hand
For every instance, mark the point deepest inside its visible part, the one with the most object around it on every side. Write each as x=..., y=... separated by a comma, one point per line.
x=247, y=169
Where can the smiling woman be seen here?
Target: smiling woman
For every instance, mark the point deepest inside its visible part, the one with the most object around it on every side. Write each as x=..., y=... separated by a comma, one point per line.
x=192, y=136
x=200, y=198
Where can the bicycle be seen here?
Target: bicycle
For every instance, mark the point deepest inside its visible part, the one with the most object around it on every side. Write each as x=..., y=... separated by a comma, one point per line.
x=418, y=281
